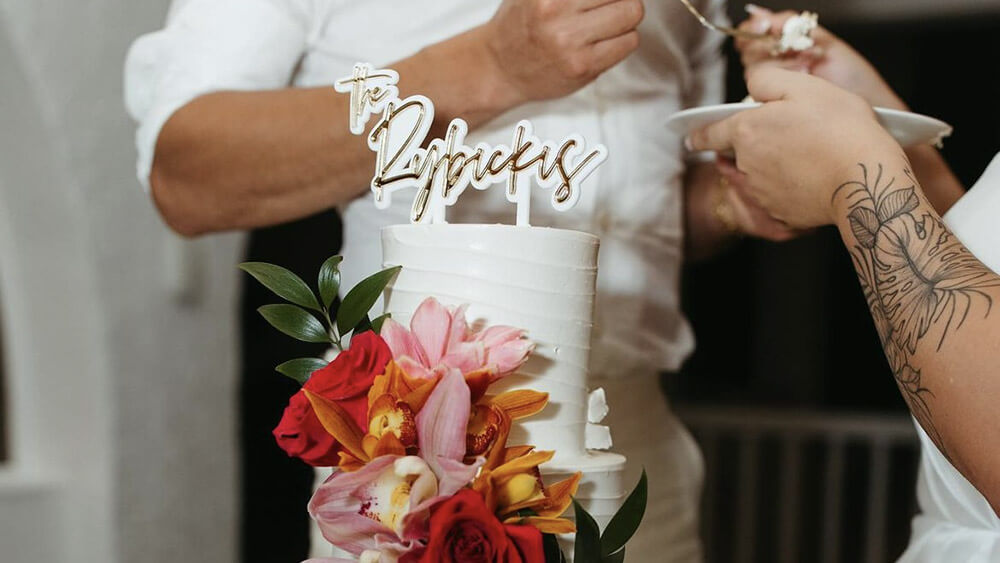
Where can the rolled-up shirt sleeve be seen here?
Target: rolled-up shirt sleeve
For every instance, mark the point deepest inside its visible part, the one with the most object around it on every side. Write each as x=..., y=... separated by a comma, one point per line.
x=208, y=46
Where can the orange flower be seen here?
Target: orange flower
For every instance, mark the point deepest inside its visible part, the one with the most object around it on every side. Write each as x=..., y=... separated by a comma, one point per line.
x=394, y=400
x=490, y=418
x=511, y=481
x=396, y=382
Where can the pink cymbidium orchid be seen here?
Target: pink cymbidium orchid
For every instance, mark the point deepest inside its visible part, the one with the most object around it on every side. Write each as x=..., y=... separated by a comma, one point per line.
x=439, y=339
x=374, y=508
x=441, y=432
x=382, y=508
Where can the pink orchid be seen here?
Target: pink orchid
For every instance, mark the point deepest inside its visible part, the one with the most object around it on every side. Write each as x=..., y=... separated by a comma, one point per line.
x=441, y=429
x=375, y=508
x=439, y=338
x=382, y=509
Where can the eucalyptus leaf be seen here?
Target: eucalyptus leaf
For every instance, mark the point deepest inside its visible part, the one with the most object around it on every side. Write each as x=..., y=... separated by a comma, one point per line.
x=587, y=548
x=300, y=369
x=550, y=547
x=378, y=321
x=359, y=300
x=626, y=521
x=295, y=322
x=283, y=283
x=329, y=280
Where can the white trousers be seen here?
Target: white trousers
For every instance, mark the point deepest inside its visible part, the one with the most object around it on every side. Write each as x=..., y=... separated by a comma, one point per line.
x=647, y=432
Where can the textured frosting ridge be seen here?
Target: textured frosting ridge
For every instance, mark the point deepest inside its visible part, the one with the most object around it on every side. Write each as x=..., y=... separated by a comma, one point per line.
x=541, y=280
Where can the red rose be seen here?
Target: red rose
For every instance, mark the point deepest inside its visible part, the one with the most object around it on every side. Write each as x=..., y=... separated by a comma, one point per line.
x=345, y=381
x=463, y=530
x=301, y=434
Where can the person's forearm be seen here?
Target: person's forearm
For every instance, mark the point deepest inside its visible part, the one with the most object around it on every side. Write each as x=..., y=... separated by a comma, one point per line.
x=705, y=233
x=932, y=302
x=939, y=183
x=235, y=160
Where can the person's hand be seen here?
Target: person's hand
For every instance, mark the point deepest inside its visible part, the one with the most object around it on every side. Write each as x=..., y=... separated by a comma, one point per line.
x=799, y=146
x=546, y=49
x=831, y=58
x=747, y=216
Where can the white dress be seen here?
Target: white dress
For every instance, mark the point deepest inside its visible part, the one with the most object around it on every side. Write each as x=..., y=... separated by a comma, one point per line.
x=956, y=523
x=634, y=202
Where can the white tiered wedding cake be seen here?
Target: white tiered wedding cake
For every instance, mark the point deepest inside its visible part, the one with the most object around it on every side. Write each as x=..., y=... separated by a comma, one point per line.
x=539, y=279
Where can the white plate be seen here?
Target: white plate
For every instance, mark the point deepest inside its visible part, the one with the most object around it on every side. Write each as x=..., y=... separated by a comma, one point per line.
x=909, y=129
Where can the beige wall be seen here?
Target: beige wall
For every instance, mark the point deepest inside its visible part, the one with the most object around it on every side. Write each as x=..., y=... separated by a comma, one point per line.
x=120, y=338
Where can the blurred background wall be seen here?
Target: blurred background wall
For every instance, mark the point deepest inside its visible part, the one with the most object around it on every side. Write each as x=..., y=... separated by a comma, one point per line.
x=119, y=347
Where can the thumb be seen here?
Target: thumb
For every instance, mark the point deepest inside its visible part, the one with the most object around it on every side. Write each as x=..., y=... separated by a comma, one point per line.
x=770, y=83
x=717, y=137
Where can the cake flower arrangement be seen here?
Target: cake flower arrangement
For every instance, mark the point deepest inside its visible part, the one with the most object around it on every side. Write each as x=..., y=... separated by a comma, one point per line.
x=422, y=470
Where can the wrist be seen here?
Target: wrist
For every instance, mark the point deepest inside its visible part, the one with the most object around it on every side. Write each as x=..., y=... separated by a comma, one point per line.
x=723, y=210
x=498, y=86
x=465, y=60
x=881, y=153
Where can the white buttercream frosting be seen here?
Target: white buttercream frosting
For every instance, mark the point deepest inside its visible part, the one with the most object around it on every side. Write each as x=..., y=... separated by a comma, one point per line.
x=598, y=437
x=597, y=406
x=543, y=281
x=537, y=279
x=796, y=34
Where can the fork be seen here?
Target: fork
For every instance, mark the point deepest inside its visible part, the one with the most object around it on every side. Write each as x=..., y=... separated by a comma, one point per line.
x=721, y=28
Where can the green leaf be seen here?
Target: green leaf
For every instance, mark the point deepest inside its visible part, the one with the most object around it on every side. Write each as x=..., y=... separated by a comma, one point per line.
x=282, y=282
x=301, y=369
x=616, y=557
x=329, y=280
x=360, y=299
x=378, y=321
x=295, y=322
x=363, y=326
x=587, y=548
x=626, y=521
x=550, y=546
x=368, y=324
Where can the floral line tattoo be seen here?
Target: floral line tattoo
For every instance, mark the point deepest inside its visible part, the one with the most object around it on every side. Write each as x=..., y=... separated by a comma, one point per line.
x=920, y=282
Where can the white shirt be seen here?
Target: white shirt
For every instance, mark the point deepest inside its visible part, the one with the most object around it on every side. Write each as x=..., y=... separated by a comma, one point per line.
x=633, y=201
x=956, y=523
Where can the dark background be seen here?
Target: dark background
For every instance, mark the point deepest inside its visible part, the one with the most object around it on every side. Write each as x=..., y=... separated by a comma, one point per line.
x=755, y=309
x=783, y=328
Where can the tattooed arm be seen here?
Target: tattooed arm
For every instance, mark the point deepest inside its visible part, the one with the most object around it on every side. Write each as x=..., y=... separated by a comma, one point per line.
x=932, y=303
x=815, y=155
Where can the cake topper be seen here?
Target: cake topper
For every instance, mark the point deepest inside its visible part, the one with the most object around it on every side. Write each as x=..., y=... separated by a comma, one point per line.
x=443, y=169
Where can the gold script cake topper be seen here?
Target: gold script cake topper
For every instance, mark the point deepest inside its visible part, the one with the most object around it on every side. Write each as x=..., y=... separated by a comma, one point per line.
x=441, y=170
